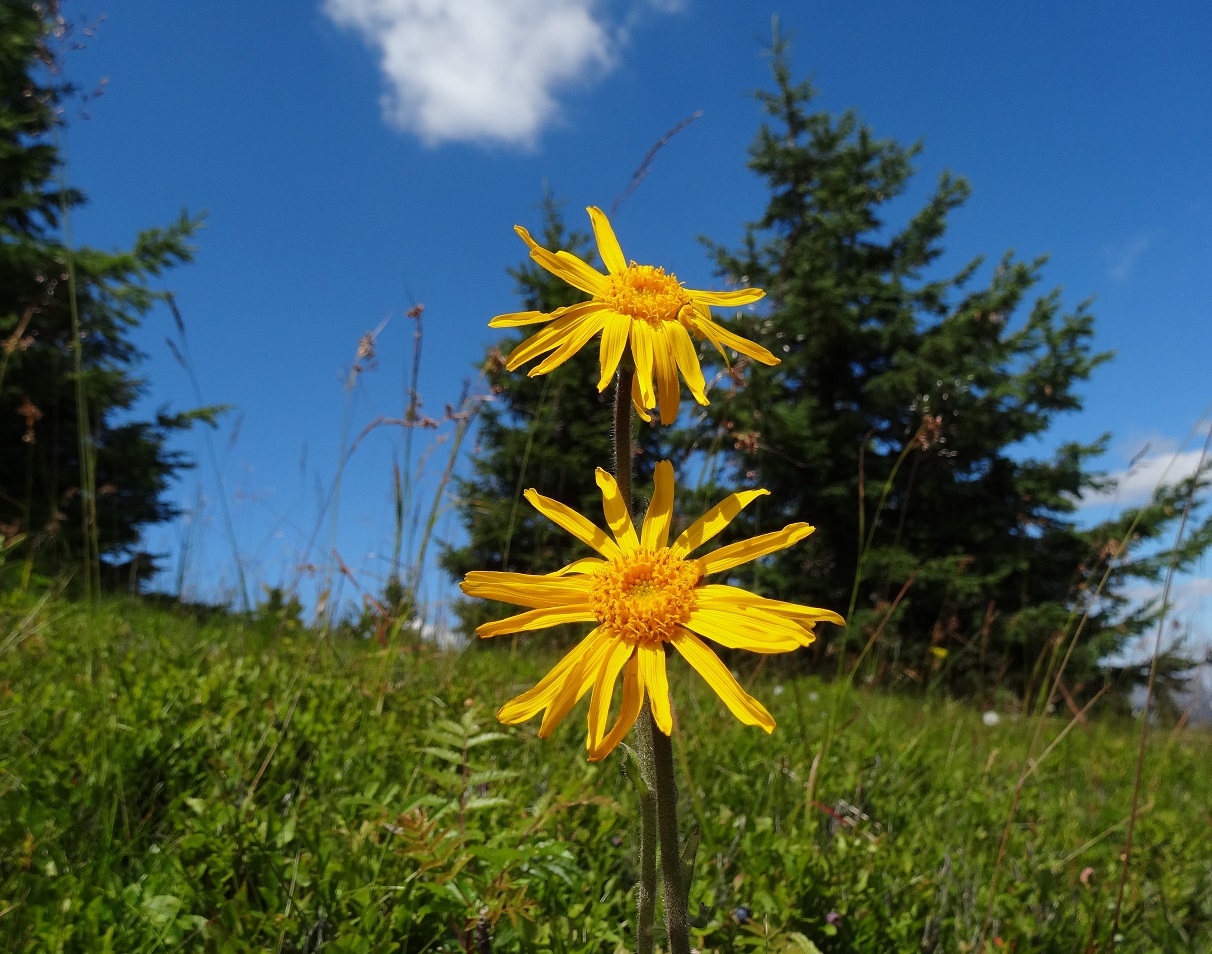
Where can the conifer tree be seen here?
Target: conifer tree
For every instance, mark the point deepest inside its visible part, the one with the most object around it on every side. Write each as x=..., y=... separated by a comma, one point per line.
x=76, y=483
x=927, y=395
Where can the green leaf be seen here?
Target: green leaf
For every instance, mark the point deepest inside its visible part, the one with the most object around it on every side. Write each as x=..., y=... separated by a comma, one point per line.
x=160, y=909
x=286, y=834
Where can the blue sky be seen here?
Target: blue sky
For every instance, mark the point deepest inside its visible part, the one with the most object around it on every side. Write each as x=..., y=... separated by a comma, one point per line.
x=356, y=157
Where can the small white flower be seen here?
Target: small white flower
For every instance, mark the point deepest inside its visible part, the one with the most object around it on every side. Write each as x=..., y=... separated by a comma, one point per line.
x=991, y=718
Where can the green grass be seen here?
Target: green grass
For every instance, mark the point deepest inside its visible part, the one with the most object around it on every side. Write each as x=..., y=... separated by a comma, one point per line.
x=172, y=781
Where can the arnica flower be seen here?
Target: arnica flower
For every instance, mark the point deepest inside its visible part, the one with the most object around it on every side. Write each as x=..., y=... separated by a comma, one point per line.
x=641, y=307
x=644, y=593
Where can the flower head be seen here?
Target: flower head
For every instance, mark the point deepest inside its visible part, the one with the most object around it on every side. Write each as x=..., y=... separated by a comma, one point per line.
x=644, y=593
x=641, y=308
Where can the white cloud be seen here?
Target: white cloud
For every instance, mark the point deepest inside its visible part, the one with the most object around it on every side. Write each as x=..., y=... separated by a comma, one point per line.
x=441, y=634
x=478, y=70
x=1190, y=596
x=1190, y=593
x=1136, y=482
x=1193, y=590
x=1123, y=257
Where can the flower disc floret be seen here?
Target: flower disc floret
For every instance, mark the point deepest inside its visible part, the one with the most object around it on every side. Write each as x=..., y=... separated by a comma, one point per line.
x=647, y=293
x=644, y=596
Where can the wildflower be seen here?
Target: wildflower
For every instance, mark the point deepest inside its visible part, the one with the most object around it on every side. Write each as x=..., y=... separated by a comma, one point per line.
x=643, y=593
x=638, y=307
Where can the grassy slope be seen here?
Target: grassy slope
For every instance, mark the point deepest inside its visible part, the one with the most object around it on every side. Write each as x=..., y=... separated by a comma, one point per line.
x=174, y=784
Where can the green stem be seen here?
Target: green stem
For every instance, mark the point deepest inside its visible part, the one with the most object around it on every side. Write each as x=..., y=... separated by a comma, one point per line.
x=646, y=890
x=622, y=431
x=655, y=755
x=673, y=893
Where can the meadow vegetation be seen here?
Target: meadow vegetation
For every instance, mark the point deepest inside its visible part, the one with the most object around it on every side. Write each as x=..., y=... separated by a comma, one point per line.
x=177, y=779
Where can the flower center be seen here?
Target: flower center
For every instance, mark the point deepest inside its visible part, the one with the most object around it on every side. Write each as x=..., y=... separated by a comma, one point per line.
x=644, y=595
x=646, y=293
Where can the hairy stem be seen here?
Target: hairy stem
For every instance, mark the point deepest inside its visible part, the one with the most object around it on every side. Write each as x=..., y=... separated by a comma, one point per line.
x=654, y=753
x=646, y=890
x=673, y=893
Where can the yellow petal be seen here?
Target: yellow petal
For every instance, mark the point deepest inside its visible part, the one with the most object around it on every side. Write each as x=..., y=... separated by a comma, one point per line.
x=534, y=701
x=585, y=272
x=614, y=341
x=739, y=702
x=667, y=375
x=608, y=245
x=575, y=685
x=687, y=360
x=714, y=520
x=574, y=339
x=581, y=566
x=603, y=690
x=725, y=558
x=656, y=684
x=655, y=532
x=518, y=318
x=523, y=589
x=721, y=337
x=754, y=631
x=618, y=517
x=637, y=400
x=565, y=266
x=722, y=593
x=554, y=334
x=540, y=618
x=641, y=353
x=574, y=523
x=735, y=596
x=741, y=296
x=633, y=699
x=700, y=325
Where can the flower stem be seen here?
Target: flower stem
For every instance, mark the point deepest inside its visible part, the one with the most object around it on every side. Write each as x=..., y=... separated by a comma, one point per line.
x=622, y=430
x=646, y=889
x=673, y=892
x=655, y=755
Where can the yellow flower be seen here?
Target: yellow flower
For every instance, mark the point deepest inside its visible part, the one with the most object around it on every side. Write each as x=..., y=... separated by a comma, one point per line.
x=642, y=593
x=636, y=306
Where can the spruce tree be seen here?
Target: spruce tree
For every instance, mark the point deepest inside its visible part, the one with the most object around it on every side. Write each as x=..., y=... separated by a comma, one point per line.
x=905, y=418
x=76, y=483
